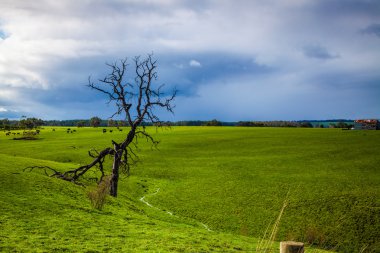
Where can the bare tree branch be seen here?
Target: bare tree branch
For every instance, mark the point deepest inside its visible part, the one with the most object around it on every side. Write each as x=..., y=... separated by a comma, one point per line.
x=143, y=98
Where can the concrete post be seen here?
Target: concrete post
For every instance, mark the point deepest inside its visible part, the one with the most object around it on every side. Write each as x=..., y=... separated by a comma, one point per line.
x=292, y=247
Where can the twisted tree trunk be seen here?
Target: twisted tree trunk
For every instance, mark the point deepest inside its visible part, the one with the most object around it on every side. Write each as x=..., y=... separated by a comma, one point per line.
x=115, y=170
x=119, y=150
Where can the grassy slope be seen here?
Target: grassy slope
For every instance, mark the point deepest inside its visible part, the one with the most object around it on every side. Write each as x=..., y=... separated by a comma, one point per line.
x=42, y=214
x=237, y=179
x=232, y=179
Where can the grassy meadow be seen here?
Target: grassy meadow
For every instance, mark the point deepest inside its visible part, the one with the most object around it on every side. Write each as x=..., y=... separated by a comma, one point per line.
x=211, y=189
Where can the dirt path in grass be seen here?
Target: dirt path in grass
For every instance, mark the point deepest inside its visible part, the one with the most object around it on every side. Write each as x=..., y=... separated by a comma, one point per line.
x=142, y=199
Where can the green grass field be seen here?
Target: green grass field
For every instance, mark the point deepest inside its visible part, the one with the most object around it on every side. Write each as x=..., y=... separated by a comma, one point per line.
x=232, y=180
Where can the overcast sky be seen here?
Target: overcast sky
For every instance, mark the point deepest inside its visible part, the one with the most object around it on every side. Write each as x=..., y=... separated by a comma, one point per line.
x=230, y=59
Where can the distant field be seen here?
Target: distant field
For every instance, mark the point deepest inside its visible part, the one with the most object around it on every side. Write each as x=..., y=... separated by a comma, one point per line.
x=234, y=180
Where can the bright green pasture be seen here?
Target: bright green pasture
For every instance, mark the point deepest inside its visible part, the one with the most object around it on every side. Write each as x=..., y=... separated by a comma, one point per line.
x=234, y=180
x=43, y=214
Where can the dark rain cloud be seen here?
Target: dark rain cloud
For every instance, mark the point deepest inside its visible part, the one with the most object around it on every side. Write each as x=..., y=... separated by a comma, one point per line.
x=214, y=67
x=372, y=29
x=318, y=52
x=336, y=8
x=69, y=78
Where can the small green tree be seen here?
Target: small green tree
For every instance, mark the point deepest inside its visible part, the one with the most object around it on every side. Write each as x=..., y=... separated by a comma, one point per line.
x=111, y=123
x=30, y=123
x=121, y=123
x=306, y=124
x=342, y=124
x=95, y=121
x=81, y=123
x=5, y=124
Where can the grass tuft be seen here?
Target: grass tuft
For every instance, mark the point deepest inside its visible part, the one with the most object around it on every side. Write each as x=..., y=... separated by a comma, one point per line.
x=98, y=196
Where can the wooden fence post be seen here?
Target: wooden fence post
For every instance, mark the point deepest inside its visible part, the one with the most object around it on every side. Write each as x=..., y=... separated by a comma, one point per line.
x=292, y=247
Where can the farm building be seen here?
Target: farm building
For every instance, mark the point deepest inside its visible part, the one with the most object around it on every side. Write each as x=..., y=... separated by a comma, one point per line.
x=367, y=124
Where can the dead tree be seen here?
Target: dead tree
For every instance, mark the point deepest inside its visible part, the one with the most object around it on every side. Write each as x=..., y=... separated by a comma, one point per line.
x=135, y=101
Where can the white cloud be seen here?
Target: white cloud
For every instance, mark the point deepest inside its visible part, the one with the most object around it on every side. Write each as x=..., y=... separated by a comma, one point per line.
x=180, y=65
x=194, y=63
x=8, y=95
x=2, y=109
x=44, y=35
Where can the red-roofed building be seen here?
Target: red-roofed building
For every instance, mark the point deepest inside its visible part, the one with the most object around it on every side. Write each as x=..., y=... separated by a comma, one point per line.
x=367, y=124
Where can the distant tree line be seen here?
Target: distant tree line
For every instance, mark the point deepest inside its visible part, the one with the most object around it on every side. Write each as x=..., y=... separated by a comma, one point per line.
x=274, y=124
x=213, y=122
x=98, y=122
x=22, y=124
x=341, y=125
x=304, y=123
x=30, y=123
x=92, y=122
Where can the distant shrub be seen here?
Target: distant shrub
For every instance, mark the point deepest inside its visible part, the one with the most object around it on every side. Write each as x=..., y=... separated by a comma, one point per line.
x=27, y=135
x=305, y=124
x=99, y=195
x=214, y=122
x=344, y=125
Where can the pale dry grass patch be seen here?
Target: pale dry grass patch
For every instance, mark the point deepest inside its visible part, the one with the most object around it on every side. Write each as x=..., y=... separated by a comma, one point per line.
x=98, y=196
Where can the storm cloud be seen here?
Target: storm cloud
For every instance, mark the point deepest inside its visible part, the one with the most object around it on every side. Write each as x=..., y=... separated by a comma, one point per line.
x=231, y=60
x=372, y=29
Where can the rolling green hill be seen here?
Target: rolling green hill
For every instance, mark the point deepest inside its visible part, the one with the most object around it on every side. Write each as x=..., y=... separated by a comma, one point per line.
x=232, y=181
